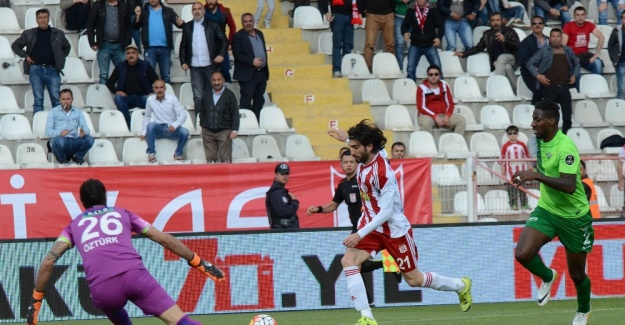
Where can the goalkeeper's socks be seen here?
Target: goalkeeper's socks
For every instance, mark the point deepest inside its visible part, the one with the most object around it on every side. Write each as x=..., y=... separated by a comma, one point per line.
x=119, y=317
x=441, y=283
x=187, y=321
x=356, y=288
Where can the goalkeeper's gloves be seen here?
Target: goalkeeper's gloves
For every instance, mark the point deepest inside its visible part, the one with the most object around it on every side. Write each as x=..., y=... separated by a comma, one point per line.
x=207, y=268
x=33, y=309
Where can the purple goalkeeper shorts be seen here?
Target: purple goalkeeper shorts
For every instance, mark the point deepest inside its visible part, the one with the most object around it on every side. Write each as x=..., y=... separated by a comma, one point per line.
x=137, y=286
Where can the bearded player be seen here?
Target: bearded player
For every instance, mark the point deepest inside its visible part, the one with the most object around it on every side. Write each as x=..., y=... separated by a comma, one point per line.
x=383, y=224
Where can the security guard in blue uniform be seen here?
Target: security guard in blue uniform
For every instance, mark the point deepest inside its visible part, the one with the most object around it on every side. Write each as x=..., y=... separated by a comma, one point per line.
x=280, y=204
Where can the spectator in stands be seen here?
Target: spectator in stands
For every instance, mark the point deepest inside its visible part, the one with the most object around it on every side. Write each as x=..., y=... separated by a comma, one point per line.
x=164, y=117
x=340, y=18
x=576, y=35
x=380, y=16
x=556, y=67
x=512, y=150
x=512, y=15
x=617, y=56
x=271, y=5
x=136, y=31
x=398, y=150
x=556, y=8
x=67, y=128
x=131, y=82
x=250, y=65
x=529, y=46
x=459, y=16
x=44, y=58
x=424, y=29
x=502, y=45
x=75, y=14
x=281, y=205
x=219, y=119
x=203, y=45
x=435, y=104
x=157, y=37
x=401, y=6
x=618, y=6
x=589, y=189
x=109, y=24
x=218, y=13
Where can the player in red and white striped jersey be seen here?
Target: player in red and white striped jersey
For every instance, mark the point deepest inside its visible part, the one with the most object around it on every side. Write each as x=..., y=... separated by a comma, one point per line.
x=383, y=224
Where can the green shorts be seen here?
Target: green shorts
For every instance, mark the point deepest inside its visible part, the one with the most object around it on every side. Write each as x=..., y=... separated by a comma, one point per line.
x=576, y=234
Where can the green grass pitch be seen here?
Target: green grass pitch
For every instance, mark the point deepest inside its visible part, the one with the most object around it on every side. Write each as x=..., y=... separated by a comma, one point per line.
x=557, y=312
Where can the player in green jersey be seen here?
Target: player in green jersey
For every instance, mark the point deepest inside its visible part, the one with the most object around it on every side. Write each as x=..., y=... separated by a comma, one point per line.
x=562, y=210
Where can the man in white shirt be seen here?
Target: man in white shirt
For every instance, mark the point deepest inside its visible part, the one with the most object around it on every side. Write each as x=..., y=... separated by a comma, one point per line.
x=164, y=116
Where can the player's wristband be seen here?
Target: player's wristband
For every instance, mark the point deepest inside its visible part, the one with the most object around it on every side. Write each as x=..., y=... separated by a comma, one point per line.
x=347, y=140
x=195, y=261
x=319, y=209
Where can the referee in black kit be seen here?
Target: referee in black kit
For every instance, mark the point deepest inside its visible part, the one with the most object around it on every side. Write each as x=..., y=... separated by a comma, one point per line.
x=280, y=204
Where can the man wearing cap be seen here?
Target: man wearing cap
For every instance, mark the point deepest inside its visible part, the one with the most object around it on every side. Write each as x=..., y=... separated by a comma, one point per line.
x=280, y=204
x=131, y=82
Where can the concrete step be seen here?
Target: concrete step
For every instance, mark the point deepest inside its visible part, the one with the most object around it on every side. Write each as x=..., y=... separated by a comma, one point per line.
x=282, y=35
x=324, y=98
x=286, y=48
x=300, y=72
x=296, y=59
x=308, y=85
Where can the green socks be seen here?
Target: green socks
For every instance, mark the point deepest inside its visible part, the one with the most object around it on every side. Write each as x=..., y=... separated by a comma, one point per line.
x=583, y=296
x=538, y=268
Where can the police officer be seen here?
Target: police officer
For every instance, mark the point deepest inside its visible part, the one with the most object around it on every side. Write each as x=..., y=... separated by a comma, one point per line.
x=280, y=204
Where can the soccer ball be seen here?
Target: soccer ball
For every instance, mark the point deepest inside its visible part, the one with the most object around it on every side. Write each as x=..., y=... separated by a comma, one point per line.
x=263, y=320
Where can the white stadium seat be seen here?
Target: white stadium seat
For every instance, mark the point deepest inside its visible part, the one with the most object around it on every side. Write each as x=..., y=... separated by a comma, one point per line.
x=165, y=150
x=532, y=201
x=74, y=71
x=195, y=151
x=8, y=104
x=136, y=121
x=469, y=117
x=272, y=119
x=95, y=70
x=186, y=96
x=32, y=155
x=188, y=124
x=587, y=112
x=6, y=158
x=85, y=51
x=485, y=177
x=582, y=140
x=498, y=88
x=422, y=67
x=616, y=196
x=134, y=152
x=29, y=100
x=522, y=91
x=385, y=66
x=522, y=116
x=520, y=33
x=308, y=17
x=446, y=175
x=614, y=110
x=495, y=117
x=8, y=21
x=603, y=203
x=113, y=124
x=353, y=66
x=485, y=145
x=422, y=145
x=240, y=154
x=99, y=97
x=94, y=133
x=102, y=153
x=478, y=32
x=324, y=44
x=595, y=86
x=604, y=133
x=397, y=118
x=601, y=170
x=479, y=65
x=498, y=202
x=467, y=90
x=16, y=127
x=39, y=124
x=453, y=146
x=248, y=125
x=186, y=13
x=298, y=148
x=450, y=63
x=265, y=149
x=461, y=204
x=404, y=91
x=5, y=49
x=375, y=93
x=177, y=42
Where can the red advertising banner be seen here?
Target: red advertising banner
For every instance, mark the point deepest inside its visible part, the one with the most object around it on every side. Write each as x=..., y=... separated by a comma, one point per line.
x=190, y=198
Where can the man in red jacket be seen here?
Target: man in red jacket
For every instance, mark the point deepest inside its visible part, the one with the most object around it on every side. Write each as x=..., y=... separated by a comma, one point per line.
x=435, y=104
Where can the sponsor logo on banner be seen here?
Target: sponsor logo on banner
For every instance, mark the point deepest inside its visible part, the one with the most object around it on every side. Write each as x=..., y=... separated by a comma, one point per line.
x=289, y=73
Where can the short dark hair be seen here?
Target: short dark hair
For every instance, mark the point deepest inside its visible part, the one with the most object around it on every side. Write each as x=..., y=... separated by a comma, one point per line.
x=66, y=90
x=555, y=30
x=583, y=163
x=433, y=67
x=343, y=150
x=367, y=133
x=550, y=109
x=246, y=14
x=512, y=128
x=345, y=153
x=92, y=193
x=42, y=11
x=215, y=72
x=579, y=8
x=398, y=143
x=538, y=17
x=494, y=13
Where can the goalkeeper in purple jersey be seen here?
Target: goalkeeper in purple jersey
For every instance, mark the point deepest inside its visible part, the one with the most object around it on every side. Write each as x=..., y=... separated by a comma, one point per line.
x=115, y=273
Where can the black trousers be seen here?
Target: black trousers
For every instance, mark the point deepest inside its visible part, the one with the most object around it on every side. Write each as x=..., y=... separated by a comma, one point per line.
x=252, y=92
x=530, y=82
x=562, y=96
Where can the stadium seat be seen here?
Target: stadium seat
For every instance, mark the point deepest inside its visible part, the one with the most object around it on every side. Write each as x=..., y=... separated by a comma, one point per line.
x=605, y=57
x=298, y=148
x=134, y=152
x=495, y=117
x=616, y=196
x=94, y=133
x=453, y=146
x=422, y=145
x=5, y=49
x=522, y=91
x=404, y=91
x=603, y=203
x=520, y=136
x=8, y=21
x=498, y=88
x=485, y=145
x=113, y=124
x=272, y=119
x=99, y=97
x=240, y=154
x=324, y=44
x=39, y=124
x=8, y=104
x=582, y=140
x=103, y=154
x=587, y=112
x=422, y=67
x=186, y=96
x=522, y=116
x=461, y=204
x=85, y=51
x=520, y=33
x=612, y=83
x=353, y=66
x=30, y=18
x=95, y=70
x=575, y=95
x=385, y=66
x=595, y=86
x=532, y=201
x=265, y=149
x=6, y=158
x=498, y=202
x=75, y=72
x=451, y=65
x=375, y=93
x=169, y=89
x=32, y=155
x=308, y=17
x=485, y=177
x=606, y=31
x=478, y=32
x=614, y=112
x=604, y=133
x=467, y=90
x=446, y=175
x=177, y=42
x=601, y=170
x=165, y=149
x=397, y=118
x=16, y=127
x=479, y=65
x=29, y=100
x=469, y=117
x=195, y=151
x=186, y=13
x=136, y=121
x=248, y=125
x=188, y=124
